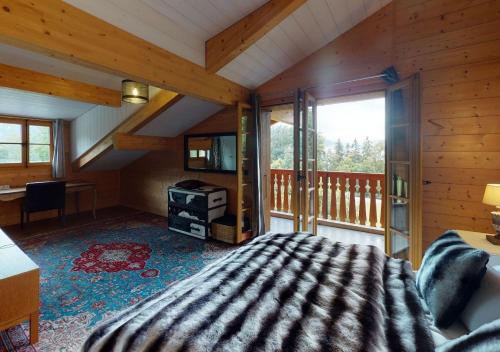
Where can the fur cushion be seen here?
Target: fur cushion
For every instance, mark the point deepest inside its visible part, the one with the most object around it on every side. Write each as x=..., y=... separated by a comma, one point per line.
x=484, y=339
x=450, y=273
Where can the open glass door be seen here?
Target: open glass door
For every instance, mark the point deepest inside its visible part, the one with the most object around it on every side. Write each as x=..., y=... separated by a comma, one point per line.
x=403, y=171
x=305, y=190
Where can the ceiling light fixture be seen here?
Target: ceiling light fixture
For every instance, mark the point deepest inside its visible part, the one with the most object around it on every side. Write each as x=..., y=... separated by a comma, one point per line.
x=134, y=92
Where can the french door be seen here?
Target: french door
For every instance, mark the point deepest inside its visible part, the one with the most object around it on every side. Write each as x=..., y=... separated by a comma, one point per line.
x=305, y=190
x=403, y=231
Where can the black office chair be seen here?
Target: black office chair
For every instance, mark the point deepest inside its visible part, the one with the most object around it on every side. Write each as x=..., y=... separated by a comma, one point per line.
x=42, y=196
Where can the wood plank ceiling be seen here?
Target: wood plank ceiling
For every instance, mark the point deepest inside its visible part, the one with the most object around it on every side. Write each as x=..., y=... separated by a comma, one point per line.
x=183, y=26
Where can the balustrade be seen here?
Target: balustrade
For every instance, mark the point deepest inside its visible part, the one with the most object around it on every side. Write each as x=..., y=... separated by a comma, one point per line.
x=349, y=197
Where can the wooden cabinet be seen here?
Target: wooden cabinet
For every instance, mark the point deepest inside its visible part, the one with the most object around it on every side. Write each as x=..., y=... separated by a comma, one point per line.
x=403, y=171
x=19, y=288
x=245, y=177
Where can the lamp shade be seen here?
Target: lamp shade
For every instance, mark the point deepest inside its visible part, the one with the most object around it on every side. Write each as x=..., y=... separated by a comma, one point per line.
x=135, y=92
x=492, y=194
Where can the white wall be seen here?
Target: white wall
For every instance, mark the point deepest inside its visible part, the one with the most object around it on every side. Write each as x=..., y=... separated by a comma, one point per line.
x=92, y=126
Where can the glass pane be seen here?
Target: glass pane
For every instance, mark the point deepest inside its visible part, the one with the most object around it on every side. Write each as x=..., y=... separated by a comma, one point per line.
x=39, y=134
x=39, y=154
x=11, y=133
x=310, y=116
x=399, y=108
x=400, y=179
x=400, y=216
x=399, y=144
x=310, y=144
x=400, y=246
x=11, y=154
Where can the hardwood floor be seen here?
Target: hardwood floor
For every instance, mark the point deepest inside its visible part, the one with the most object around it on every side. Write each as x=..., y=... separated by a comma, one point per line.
x=333, y=233
x=36, y=227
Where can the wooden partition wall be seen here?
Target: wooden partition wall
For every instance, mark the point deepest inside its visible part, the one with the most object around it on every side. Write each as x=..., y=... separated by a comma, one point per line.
x=455, y=45
x=144, y=183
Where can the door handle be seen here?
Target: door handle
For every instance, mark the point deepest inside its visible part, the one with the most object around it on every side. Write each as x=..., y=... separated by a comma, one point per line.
x=426, y=182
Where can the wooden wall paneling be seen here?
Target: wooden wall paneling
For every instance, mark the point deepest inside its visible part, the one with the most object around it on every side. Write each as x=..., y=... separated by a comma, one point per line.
x=446, y=58
x=123, y=141
x=476, y=125
x=450, y=19
x=462, y=90
x=455, y=45
x=462, y=109
x=481, y=71
x=411, y=11
x=457, y=143
x=450, y=40
x=363, y=51
x=144, y=183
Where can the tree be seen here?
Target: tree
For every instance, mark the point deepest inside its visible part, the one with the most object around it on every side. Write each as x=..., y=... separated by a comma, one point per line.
x=367, y=157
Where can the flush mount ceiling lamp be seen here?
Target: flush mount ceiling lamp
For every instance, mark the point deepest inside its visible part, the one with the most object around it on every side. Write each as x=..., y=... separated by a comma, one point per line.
x=134, y=92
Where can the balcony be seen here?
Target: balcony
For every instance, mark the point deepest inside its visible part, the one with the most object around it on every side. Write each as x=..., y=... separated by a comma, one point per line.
x=350, y=201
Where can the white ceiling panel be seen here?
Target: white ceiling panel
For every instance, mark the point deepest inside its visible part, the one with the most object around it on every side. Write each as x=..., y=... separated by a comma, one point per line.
x=15, y=102
x=10, y=55
x=115, y=160
x=183, y=115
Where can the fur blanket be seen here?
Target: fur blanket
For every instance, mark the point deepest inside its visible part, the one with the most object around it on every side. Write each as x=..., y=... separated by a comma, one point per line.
x=280, y=292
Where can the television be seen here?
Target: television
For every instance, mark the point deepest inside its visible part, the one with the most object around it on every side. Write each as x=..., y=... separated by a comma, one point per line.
x=214, y=152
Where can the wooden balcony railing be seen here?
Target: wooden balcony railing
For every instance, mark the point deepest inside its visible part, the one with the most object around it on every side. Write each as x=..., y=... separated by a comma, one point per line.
x=357, y=197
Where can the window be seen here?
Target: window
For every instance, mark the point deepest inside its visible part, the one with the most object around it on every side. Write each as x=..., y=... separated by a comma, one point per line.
x=39, y=143
x=11, y=142
x=25, y=142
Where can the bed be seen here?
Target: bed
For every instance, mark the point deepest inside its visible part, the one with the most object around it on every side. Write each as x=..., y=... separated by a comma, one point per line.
x=280, y=292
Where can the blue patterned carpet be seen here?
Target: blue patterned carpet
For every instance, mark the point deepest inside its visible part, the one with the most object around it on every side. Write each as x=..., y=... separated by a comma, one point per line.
x=90, y=273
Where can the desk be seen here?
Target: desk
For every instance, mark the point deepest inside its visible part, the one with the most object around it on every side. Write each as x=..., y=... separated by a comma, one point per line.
x=19, y=288
x=71, y=187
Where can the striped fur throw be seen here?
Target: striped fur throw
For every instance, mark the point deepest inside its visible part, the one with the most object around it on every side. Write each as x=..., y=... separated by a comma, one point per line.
x=450, y=273
x=280, y=292
x=484, y=339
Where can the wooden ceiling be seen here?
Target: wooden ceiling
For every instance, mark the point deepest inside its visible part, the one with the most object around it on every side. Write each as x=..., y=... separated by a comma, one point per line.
x=183, y=26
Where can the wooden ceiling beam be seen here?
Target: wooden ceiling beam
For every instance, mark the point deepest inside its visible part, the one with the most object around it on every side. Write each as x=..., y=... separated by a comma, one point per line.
x=158, y=104
x=55, y=28
x=32, y=81
x=231, y=42
x=125, y=141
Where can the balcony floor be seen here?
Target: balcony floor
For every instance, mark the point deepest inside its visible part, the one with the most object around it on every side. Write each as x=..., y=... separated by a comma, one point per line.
x=334, y=233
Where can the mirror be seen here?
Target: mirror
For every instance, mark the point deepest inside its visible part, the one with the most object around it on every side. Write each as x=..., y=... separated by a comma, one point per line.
x=210, y=152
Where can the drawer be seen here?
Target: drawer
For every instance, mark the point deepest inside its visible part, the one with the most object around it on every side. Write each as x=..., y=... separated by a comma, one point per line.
x=193, y=200
x=188, y=226
x=196, y=214
x=198, y=199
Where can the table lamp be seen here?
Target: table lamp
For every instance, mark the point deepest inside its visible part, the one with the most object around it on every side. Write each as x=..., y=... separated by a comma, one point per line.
x=492, y=197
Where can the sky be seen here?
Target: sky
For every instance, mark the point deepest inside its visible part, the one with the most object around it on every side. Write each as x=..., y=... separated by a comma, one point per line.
x=350, y=120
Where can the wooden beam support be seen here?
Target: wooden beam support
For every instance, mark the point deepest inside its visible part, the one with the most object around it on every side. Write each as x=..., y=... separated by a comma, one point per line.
x=158, y=104
x=32, y=81
x=57, y=29
x=231, y=42
x=124, y=141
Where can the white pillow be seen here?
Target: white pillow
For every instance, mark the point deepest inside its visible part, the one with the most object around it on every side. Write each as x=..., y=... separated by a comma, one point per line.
x=484, y=305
